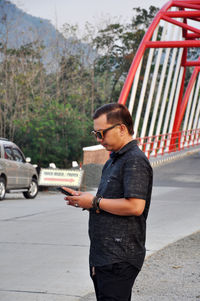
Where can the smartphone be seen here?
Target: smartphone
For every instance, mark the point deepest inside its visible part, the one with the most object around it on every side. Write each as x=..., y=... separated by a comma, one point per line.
x=67, y=193
x=64, y=191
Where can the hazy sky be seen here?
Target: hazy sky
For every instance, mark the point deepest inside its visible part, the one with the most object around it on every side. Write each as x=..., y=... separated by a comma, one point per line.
x=80, y=11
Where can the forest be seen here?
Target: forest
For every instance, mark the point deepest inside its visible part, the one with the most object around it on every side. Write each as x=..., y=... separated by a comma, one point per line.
x=46, y=107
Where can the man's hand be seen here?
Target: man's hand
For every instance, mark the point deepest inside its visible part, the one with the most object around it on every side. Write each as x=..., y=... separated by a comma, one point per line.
x=79, y=199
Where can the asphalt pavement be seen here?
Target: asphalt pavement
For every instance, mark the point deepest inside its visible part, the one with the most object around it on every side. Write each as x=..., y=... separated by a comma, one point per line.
x=44, y=243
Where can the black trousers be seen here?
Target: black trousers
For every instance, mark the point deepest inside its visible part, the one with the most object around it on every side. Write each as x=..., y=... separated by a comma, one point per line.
x=114, y=282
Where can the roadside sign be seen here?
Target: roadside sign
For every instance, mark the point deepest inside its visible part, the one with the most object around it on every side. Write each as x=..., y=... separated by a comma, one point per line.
x=60, y=177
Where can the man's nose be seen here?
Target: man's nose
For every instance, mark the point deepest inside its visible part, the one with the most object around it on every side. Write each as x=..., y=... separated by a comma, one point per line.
x=99, y=139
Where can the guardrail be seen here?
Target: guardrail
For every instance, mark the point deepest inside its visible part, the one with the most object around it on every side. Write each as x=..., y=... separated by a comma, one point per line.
x=169, y=142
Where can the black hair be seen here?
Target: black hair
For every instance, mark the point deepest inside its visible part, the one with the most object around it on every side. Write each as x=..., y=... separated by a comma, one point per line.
x=116, y=113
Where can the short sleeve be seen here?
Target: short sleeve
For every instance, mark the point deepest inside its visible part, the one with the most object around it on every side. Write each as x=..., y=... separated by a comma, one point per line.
x=137, y=177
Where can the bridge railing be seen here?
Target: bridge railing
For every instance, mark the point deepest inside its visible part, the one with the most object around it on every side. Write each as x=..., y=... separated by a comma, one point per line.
x=169, y=142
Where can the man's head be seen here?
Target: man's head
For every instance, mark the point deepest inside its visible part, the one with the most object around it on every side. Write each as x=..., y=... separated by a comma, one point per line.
x=113, y=126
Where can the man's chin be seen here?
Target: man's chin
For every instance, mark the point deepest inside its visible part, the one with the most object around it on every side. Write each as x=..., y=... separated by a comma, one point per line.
x=108, y=147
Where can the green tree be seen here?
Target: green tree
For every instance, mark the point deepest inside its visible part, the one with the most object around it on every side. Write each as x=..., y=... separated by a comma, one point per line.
x=55, y=133
x=21, y=83
x=117, y=45
x=47, y=111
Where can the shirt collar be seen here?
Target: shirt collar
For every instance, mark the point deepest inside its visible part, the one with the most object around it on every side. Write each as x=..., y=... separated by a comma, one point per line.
x=123, y=149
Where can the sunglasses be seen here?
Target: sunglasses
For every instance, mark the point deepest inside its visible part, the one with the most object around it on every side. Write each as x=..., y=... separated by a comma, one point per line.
x=101, y=133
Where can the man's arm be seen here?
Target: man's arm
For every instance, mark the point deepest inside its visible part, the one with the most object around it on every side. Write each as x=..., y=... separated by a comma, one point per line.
x=122, y=206
x=131, y=206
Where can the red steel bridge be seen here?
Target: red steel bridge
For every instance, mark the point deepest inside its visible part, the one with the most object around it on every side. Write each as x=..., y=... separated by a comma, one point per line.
x=162, y=89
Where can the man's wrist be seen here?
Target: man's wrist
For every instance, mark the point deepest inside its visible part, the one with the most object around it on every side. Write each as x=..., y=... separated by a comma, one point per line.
x=96, y=203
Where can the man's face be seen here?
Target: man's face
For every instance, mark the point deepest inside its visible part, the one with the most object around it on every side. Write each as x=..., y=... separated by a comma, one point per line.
x=111, y=139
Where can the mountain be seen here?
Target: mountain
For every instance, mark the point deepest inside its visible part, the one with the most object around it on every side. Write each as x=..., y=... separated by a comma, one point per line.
x=22, y=28
x=18, y=28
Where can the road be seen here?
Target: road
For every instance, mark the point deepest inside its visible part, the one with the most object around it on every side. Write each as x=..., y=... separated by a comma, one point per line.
x=44, y=243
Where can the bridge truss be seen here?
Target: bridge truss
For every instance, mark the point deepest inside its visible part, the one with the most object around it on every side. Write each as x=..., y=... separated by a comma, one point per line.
x=162, y=89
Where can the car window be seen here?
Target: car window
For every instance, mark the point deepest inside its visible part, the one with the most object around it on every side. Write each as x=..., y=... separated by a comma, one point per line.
x=18, y=155
x=8, y=153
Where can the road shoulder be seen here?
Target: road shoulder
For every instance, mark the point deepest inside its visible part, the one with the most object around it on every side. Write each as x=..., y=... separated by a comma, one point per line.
x=172, y=273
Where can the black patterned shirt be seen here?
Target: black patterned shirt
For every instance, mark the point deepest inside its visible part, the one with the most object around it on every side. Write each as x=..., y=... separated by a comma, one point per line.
x=115, y=238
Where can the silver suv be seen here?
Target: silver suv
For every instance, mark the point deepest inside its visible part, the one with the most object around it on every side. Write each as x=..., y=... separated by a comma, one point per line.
x=16, y=172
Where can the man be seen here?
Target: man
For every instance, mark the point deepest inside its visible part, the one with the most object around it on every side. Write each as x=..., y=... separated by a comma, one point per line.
x=118, y=213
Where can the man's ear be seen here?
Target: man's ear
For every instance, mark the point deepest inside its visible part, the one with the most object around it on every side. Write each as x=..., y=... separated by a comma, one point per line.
x=123, y=129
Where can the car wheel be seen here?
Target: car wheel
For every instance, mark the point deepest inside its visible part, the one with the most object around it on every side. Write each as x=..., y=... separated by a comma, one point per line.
x=32, y=191
x=2, y=188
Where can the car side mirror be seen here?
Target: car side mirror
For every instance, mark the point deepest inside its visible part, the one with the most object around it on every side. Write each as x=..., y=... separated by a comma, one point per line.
x=28, y=160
